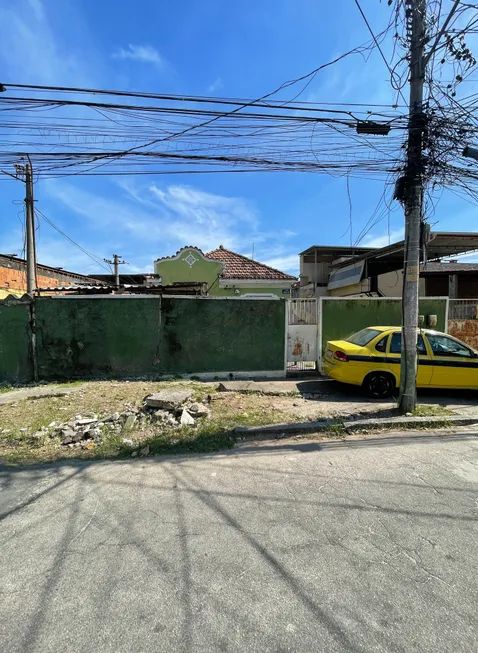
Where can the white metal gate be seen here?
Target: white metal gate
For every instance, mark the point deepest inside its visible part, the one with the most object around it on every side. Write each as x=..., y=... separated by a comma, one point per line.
x=302, y=334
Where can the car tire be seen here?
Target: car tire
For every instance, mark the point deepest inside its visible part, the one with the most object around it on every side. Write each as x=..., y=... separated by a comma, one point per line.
x=379, y=385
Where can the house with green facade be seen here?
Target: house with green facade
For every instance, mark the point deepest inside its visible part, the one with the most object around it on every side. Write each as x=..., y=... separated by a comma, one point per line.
x=224, y=273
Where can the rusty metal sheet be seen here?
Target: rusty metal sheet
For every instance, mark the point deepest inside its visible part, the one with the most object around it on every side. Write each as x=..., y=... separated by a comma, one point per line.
x=465, y=330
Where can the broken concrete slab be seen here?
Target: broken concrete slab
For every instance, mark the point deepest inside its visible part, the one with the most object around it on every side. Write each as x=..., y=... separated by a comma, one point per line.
x=85, y=421
x=316, y=387
x=38, y=392
x=273, y=388
x=168, y=399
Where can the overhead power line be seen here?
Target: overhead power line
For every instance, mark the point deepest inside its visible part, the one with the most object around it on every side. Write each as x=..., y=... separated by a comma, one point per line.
x=93, y=257
x=378, y=45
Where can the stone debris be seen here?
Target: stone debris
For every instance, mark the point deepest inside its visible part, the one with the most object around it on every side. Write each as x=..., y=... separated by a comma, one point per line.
x=111, y=418
x=198, y=410
x=145, y=450
x=129, y=422
x=167, y=409
x=186, y=418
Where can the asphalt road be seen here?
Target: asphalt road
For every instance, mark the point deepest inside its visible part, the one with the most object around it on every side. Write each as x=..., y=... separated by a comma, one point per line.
x=294, y=546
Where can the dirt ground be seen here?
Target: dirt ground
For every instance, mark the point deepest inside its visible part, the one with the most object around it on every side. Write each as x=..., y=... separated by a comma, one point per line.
x=22, y=418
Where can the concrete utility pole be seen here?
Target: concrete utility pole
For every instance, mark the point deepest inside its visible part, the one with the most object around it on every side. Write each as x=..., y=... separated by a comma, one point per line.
x=30, y=229
x=415, y=17
x=116, y=262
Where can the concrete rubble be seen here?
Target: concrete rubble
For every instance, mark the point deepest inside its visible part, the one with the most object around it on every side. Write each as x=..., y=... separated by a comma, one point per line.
x=165, y=409
x=168, y=399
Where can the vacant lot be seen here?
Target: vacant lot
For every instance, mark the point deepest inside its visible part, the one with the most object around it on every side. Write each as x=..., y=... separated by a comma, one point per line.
x=27, y=426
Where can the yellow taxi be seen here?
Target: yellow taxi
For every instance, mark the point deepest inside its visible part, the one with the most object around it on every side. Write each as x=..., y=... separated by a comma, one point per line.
x=371, y=358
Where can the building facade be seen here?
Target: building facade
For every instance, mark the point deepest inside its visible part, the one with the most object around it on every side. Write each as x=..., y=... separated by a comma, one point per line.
x=224, y=273
x=13, y=276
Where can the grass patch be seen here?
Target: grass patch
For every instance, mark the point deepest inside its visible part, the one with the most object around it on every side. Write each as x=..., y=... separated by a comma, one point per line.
x=6, y=388
x=336, y=429
x=431, y=410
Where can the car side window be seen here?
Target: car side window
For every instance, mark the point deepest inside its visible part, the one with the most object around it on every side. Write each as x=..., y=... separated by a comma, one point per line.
x=396, y=344
x=382, y=344
x=444, y=346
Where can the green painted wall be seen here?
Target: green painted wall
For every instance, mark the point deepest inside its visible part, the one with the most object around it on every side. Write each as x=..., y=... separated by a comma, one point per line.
x=222, y=335
x=152, y=336
x=176, y=269
x=79, y=338
x=206, y=271
x=342, y=317
x=15, y=365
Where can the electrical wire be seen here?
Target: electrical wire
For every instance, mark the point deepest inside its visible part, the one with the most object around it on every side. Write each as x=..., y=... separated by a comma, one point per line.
x=93, y=257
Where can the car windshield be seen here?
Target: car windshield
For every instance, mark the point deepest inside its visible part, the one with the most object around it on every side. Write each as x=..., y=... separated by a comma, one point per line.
x=362, y=338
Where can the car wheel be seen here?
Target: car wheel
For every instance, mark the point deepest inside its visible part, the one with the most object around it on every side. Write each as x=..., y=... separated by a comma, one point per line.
x=379, y=385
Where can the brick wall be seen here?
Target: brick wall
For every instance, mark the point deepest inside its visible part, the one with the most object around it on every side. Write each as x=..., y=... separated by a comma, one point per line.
x=14, y=280
x=13, y=277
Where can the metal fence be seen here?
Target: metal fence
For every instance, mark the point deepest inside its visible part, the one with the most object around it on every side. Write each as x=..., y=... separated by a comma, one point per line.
x=302, y=311
x=463, y=309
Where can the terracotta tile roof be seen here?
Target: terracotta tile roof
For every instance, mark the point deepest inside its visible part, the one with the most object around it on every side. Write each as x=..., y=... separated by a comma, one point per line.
x=450, y=267
x=237, y=266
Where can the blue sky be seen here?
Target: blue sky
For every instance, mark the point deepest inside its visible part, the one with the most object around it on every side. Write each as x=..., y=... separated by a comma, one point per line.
x=243, y=49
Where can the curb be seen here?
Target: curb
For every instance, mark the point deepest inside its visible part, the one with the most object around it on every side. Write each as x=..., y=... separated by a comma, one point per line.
x=355, y=425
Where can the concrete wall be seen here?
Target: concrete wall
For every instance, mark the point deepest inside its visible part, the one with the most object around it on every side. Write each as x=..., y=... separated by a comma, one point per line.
x=15, y=352
x=343, y=317
x=120, y=337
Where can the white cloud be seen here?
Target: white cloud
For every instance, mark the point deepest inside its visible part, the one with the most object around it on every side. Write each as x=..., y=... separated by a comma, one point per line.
x=382, y=240
x=148, y=222
x=144, y=53
x=286, y=263
x=206, y=219
x=216, y=85
x=31, y=52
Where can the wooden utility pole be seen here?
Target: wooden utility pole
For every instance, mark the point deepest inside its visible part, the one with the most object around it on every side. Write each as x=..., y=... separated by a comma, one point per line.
x=30, y=229
x=116, y=262
x=415, y=18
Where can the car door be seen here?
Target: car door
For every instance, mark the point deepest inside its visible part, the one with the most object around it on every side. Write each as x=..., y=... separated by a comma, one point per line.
x=394, y=355
x=454, y=364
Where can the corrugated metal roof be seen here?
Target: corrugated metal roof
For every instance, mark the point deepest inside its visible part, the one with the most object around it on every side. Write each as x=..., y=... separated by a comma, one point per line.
x=48, y=268
x=449, y=267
